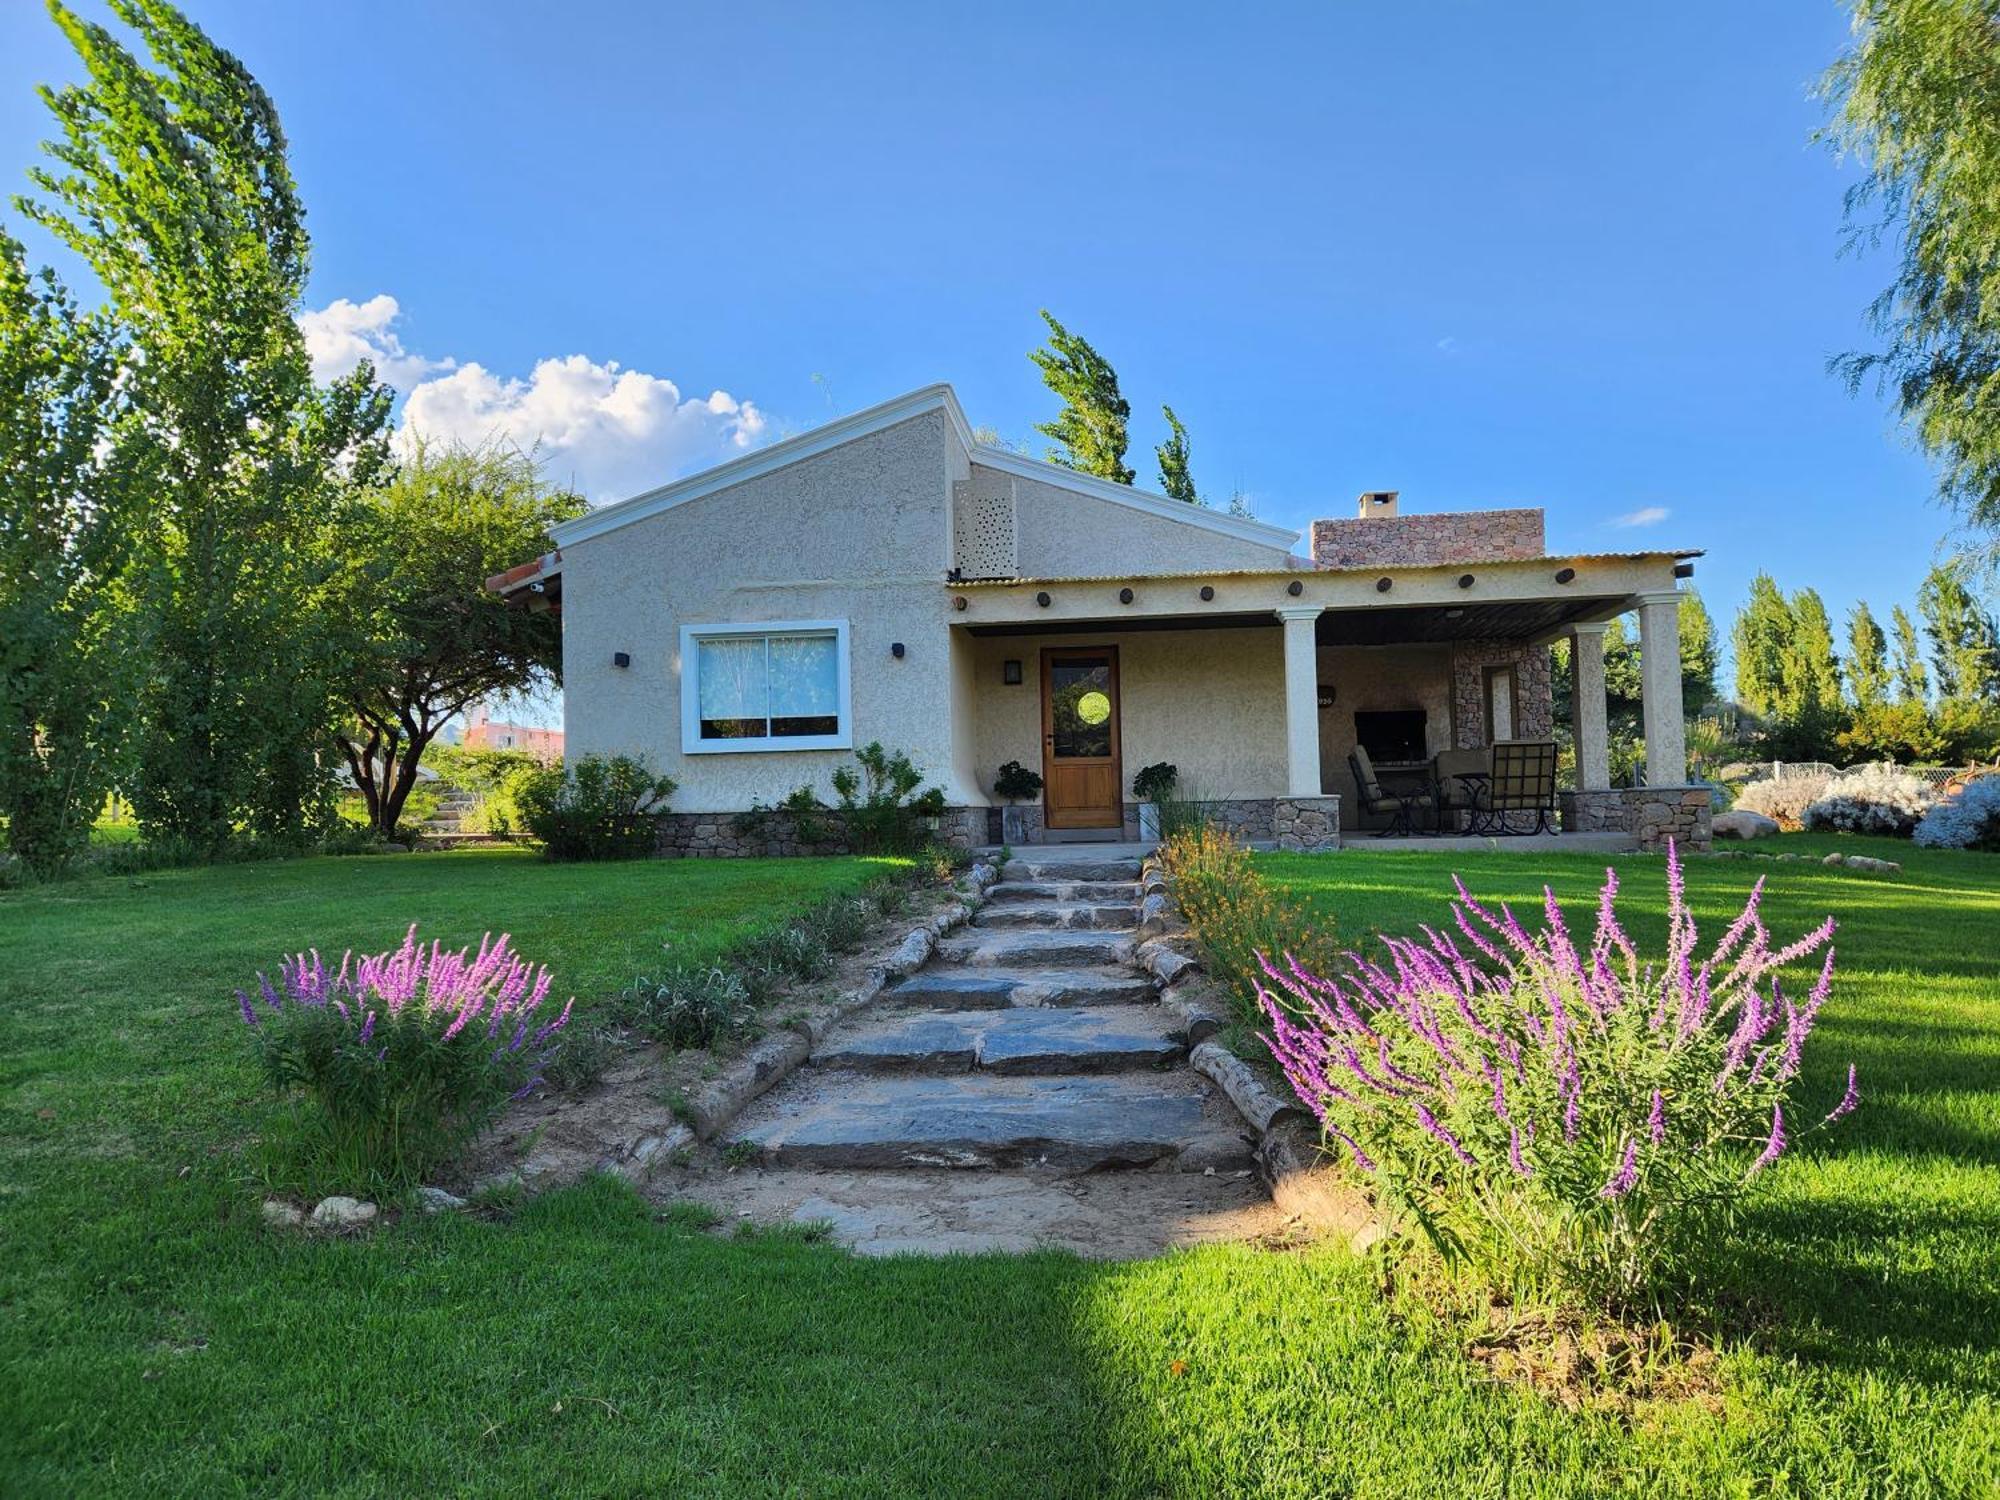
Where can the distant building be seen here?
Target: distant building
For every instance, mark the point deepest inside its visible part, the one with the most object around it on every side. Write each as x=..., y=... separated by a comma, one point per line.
x=482, y=733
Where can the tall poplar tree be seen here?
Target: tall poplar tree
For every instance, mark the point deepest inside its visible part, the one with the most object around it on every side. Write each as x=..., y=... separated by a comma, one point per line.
x=1965, y=645
x=1913, y=680
x=1812, y=670
x=1175, y=480
x=171, y=183
x=1761, y=638
x=1091, y=426
x=1868, y=676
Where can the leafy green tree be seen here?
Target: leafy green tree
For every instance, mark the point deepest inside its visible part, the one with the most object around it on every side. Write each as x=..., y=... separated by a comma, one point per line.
x=1868, y=676
x=66, y=626
x=172, y=185
x=1700, y=654
x=1917, y=100
x=427, y=638
x=1913, y=682
x=1175, y=480
x=1091, y=425
x=1762, y=638
x=1965, y=645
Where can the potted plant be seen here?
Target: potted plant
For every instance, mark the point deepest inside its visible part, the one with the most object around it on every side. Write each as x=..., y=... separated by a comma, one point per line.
x=1015, y=782
x=1153, y=785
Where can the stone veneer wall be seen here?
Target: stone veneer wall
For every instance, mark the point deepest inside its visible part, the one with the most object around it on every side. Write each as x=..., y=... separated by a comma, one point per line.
x=1653, y=814
x=1469, y=536
x=744, y=836
x=1534, y=690
x=1307, y=825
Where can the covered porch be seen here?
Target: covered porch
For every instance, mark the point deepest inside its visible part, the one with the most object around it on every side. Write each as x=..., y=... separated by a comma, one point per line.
x=1259, y=687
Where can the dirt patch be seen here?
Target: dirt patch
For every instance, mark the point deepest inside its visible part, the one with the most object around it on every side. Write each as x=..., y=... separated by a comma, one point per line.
x=1581, y=1362
x=1103, y=1215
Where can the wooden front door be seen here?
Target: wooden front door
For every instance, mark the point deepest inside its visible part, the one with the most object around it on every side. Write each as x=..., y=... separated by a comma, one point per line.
x=1083, y=777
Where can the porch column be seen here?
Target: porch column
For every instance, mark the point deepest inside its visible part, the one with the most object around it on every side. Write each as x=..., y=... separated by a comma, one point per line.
x=1660, y=689
x=1301, y=699
x=1587, y=711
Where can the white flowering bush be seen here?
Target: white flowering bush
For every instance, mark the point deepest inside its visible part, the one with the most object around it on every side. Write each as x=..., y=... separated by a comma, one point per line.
x=1968, y=819
x=1784, y=801
x=1873, y=799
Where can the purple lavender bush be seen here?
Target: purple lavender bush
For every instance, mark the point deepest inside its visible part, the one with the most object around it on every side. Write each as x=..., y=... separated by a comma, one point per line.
x=1565, y=1123
x=405, y=1056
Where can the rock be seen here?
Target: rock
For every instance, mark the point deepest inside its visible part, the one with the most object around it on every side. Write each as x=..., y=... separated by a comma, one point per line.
x=340, y=1215
x=1835, y=859
x=719, y=1101
x=911, y=953
x=1743, y=825
x=282, y=1215
x=1869, y=862
x=394, y=848
x=435, y=1200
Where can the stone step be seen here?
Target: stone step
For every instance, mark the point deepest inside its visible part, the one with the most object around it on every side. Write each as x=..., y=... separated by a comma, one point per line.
x=1008, y=891
x=831, y=1119
x=1110, y=1039
x=1030, y=867
x=1031, y=947
x=1058, y=914
x=948, y=987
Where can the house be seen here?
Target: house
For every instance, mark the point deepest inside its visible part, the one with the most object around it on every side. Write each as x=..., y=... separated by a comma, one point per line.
x=888, y=578
x=483, y=733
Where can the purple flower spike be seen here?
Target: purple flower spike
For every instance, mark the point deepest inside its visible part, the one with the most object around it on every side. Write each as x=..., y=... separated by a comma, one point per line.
x=1656, y=1122
x=1775, y=1146
x=1847, y=1100
x=1627, y=1176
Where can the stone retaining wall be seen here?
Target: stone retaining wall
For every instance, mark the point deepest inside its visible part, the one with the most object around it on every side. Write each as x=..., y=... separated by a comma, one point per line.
x=722, y=835
x=1652, y=814
x=1307, y=825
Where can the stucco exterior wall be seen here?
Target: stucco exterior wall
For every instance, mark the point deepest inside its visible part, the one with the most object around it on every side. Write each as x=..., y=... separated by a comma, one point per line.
x=1369, y=679
x=1210, y=701
x=857, y=533
x=1061, y=533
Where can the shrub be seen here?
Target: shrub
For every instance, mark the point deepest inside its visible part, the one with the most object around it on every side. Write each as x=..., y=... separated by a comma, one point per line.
x=876, y=816
x=1017, y=783
x=1968, y=819
x=691, y=1005
x=1785, y=801
x=1873, y=799
x=407, y=1055
x=771, y=959
x=1236, y=914
x=578, y=1057
x=596, y=808
x=1155, y=783
x=1556, y=1121
x=839, y=924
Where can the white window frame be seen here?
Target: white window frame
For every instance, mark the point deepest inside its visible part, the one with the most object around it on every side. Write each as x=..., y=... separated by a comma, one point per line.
x=691, y=637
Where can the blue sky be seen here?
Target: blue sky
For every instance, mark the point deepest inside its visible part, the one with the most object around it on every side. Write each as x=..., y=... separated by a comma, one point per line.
x=1583, y=257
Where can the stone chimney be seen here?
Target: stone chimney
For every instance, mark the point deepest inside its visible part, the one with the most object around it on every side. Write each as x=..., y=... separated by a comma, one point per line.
x=1381, y=538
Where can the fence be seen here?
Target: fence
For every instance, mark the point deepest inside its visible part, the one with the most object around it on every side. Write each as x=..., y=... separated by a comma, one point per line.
x=1937, y=778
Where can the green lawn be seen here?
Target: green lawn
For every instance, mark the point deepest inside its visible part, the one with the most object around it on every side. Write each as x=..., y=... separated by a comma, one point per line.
x=154, y=1339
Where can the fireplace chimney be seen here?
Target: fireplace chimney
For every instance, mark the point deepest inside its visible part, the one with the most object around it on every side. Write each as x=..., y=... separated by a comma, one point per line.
x=1378, y=504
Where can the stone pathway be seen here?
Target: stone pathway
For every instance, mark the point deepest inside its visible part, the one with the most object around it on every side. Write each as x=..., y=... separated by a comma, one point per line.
x=1025, y=1087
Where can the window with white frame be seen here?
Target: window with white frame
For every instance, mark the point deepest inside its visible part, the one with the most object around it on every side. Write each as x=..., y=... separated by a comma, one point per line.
x=781, y=685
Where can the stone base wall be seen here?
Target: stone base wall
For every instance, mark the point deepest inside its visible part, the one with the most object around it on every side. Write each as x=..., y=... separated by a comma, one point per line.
x=1652, y=814
x=1307, y=825
x=724, y=835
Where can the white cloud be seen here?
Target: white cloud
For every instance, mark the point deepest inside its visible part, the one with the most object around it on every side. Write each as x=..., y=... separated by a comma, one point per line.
x=610, y=431
x=342, y=334
x=1650, y=515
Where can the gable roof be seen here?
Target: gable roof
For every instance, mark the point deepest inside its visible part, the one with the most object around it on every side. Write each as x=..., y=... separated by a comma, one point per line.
x=842, y=430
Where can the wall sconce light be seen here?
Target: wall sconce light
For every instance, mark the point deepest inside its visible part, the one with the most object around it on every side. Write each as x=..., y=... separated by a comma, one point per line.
x=897, y=649
x=1010, y=673
x=621, y=658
